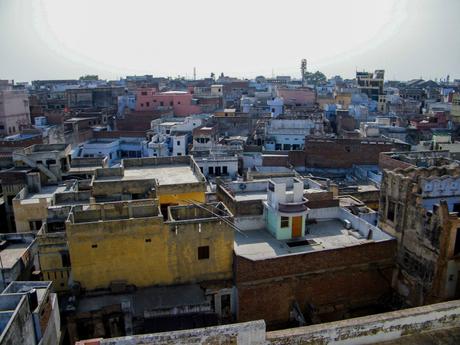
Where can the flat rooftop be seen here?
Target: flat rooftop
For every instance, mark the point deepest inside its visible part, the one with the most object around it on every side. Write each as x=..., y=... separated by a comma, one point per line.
x=165, y=174
x=146, y=299
x=46, y=192
x=12, y=253
x=327, y=234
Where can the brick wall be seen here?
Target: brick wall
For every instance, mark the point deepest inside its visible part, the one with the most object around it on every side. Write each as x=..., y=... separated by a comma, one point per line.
x=275, y=160
x=339, y=279
x=340, y=153
x=321, y=200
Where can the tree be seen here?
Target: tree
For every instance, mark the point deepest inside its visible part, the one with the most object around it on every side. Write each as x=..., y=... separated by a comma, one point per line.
x=316, y=78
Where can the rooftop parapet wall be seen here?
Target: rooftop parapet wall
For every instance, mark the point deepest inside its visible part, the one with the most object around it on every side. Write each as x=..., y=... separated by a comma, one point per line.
x=44, y=148
x=195, y=213
x=109, y=172
x=406, y=159
x=252, y=333
x=373, y=329
x=416, y=174
x=114, y=211
x=72, y=197
x=89, y=162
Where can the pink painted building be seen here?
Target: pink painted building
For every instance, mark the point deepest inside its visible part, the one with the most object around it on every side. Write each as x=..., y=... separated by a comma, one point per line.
x=14, y=109
x=180, y=102
x=299, y=96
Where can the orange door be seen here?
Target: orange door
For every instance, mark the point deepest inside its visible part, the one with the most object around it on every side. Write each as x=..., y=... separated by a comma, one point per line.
x=297, y=226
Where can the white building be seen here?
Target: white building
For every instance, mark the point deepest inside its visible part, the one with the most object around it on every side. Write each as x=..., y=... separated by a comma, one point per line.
x=170, y=137
x=289, y=134
x=276, y=106
x=218, y=165
x=114, y=149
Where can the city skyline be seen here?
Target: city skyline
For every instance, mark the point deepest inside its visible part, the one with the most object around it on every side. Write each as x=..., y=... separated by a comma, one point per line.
x=403, y=37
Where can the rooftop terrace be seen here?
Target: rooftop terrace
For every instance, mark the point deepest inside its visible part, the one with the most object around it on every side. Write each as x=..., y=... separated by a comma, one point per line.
x=13, y=250
x=326, y=231
x=114, y=211
x=167, y=170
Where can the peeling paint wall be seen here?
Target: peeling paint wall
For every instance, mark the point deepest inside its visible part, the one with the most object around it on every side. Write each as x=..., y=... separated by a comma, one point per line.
x=425, y=230
x=147, y=251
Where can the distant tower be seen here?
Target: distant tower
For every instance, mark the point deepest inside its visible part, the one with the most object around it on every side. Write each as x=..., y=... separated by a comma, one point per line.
x=194, y=73
x=303, y=69
x=448, y=79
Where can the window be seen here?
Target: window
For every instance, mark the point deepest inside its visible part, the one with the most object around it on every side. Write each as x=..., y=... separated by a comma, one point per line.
x=35, y=225
x=224, y=170
x=456, y=207
x=142, y=104
x=285, y=222
x=178, y=143
x=147, y=104
x=148, y=240
x=65, y=258
x=179, y=154
x=161, y=104
x=211, y=170
x=457, y=243
x=94, y=246
x=391, y=211
x=218, y=171
x=203, y=252
x=171, y=103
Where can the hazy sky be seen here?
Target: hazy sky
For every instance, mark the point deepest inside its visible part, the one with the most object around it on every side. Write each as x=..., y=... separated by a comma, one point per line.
x=52, y=39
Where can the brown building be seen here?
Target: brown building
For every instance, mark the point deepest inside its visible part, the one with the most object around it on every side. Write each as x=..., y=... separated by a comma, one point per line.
x=419, y=206
x=341, y=153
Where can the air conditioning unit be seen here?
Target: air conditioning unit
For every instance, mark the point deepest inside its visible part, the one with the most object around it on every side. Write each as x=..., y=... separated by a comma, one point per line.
x=347, y=224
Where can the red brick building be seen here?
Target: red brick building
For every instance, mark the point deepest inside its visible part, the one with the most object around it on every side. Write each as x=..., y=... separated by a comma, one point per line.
x=328, y=285
x=341, y=153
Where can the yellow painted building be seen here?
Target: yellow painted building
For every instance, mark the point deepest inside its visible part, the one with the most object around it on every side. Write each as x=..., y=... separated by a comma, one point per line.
x=344, y=99
x=54, y=258
x=131, y=242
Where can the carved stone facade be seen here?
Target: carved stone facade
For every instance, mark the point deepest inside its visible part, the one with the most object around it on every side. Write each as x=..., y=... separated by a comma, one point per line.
x=419, y=206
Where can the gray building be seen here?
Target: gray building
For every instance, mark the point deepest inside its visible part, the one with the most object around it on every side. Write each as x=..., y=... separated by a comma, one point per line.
x=29, y=314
